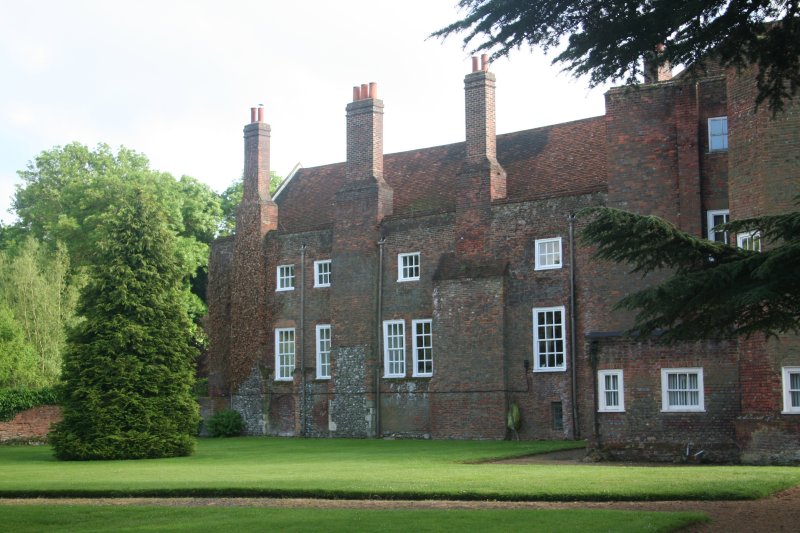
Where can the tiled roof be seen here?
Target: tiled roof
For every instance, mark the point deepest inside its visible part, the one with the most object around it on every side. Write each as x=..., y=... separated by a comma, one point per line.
x=556, y=160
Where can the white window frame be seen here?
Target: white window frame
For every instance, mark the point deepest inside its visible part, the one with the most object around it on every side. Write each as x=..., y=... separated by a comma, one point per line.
x=323, y=351
x=602, y=404
x=285, y=276
x=322, y=273
x=749, y=240
x=722, y=138
x=537, y=367
x=542, y=259
x=394, y=366
x=285, y=350
x=666, y=406
x=710, y=223
x=422, y=348
x=405, y=272
x=788, y=408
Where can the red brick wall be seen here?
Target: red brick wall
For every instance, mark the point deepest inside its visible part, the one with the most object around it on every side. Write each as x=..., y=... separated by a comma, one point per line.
x=643, y=430
x=30, y=425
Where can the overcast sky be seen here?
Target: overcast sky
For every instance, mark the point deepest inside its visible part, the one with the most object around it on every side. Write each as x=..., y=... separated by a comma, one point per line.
x=175, y=79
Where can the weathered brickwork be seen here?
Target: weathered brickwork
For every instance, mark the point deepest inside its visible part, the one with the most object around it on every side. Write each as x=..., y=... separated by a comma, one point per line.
x=31, y=425
x=645, y=429
x=473, y=212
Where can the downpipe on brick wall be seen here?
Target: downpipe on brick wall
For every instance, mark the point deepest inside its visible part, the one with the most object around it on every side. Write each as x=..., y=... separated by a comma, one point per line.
x=379, y=320
x=594, y=357
x=572, y=336
x=301, y=340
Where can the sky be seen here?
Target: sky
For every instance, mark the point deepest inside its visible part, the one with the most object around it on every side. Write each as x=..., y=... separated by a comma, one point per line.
x=175, y=80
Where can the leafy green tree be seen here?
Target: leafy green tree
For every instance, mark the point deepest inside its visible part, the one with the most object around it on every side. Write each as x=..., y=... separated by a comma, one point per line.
x=68, y=191
x=36, y=286
x=128, y=369
x=713, y=290
x=18, y=361
x=232, y=196
x=606, y=39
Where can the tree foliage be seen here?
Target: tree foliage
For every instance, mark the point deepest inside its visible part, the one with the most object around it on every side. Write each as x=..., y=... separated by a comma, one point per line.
x=128, y=370
x=67, y=190
x=18, y=360
x=606, y=39
x=37, y=289
x=714, y=290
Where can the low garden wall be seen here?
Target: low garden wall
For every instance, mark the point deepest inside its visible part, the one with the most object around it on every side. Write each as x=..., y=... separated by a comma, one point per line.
x=30, y=425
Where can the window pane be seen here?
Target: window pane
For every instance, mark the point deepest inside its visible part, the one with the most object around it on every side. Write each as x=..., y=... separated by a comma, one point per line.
x=794, y=389
x=683, y=389
x=612, y=398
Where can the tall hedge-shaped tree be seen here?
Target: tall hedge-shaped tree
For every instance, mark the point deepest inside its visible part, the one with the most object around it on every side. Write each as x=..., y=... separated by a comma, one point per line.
x=128, y=366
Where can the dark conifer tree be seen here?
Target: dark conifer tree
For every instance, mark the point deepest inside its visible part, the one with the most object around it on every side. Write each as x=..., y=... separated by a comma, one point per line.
x=714, y=290
x=606, y=39
x=128, y=369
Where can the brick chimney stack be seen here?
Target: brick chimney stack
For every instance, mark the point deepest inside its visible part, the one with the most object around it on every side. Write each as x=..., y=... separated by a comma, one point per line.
x=358, y=209
x=653, y=72
x=365, y=134
x=481, y=134
x=256, y=216
x=256, y=157
x=257, y=213
x=481, y=179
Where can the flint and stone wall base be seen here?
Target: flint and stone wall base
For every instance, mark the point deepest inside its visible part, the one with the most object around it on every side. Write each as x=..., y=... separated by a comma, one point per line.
x=249, y=402
x=350, y=412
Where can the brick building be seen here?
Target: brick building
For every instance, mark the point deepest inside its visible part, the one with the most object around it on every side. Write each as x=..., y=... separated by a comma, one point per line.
x=421, y=293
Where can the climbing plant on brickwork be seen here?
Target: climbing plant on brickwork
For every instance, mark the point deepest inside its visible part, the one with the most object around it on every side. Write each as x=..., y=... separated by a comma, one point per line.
x=606, y=39
x=128, y=368
x=714, y=290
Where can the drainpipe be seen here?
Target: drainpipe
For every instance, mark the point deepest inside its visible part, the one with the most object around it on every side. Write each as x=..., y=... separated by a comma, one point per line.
x=594, y=356
x=572, y=336
x=379, y=320
x=300, y=340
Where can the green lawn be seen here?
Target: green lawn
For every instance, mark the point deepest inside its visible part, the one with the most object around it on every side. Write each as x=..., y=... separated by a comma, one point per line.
x=57, y=518
x=404, y=469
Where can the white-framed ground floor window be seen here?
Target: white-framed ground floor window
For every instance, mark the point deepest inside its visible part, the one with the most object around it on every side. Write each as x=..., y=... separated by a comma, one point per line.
x=323, y=351
x=394, y=348
x=791, y=390
x=549, y=344
x=682, y=390
x=284, y=354
x=611, y=391
x=423, y=348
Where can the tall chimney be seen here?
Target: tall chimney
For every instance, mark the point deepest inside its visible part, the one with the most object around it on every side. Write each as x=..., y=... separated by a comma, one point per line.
x=256, y=157
x=481, y=136
x=257, y=213
x=481, y=178
x=655, y=69
x=365, y=135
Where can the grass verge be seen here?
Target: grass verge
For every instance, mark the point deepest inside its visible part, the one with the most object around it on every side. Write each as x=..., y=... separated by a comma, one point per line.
x=56, y=518
x=364, y=469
